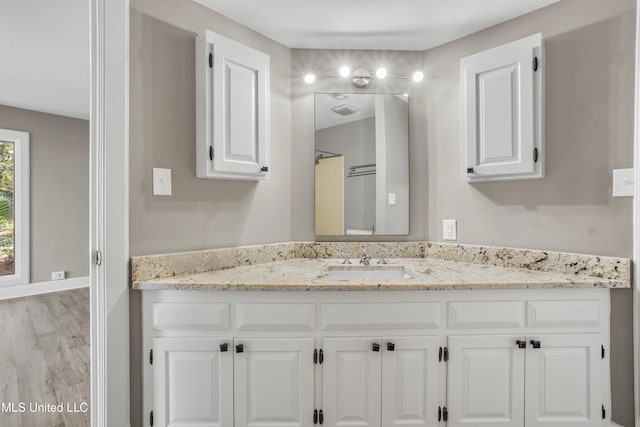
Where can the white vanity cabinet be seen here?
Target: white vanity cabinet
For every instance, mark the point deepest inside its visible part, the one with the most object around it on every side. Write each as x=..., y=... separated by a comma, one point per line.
x=502, y=96
x=546, y=380
x=521, y=358
x=232, y=110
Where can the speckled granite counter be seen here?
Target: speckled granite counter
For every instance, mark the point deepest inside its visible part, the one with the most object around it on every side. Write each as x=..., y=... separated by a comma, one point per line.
x=304, y=266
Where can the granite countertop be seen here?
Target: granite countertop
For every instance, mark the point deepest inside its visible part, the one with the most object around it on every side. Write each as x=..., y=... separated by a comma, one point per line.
x=292, y=271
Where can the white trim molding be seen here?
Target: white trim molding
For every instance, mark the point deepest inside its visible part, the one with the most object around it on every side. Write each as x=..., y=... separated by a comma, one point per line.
x=21, y=197
x=110, y=387
x=39, y=288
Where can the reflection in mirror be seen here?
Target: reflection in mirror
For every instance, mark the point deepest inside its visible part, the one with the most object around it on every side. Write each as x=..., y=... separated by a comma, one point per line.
x=44, y=213
x=361, y=164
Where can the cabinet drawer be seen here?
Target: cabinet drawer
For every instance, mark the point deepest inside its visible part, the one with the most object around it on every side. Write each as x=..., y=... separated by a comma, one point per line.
x=563, y=313
x=279, y=317
x=486, y=314
x=211, y=316
x=381, y=315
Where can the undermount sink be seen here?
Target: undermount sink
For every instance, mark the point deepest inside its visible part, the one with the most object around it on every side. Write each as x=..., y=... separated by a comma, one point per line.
x=368, y=272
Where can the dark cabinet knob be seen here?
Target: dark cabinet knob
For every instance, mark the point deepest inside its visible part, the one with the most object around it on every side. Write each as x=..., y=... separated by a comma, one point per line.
x=264, y=169
x=224, y=347
x=535, y=344
x=521, y=344
x=391, y=346
x=375, y=346
x=240, y=348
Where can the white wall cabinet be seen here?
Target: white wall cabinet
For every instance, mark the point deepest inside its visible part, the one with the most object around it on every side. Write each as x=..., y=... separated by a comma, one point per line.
x=232, y=110
x=502, y=117
x=377, y=359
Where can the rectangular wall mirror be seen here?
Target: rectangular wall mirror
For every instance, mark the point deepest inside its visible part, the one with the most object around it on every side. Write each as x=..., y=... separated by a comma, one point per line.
x=361, y=164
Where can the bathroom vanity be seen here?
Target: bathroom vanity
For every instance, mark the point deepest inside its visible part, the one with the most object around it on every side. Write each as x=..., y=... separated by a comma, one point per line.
x=281, y=335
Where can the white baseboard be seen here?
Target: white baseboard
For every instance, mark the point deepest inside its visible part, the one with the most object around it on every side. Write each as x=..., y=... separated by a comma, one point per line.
x=612, y=424
x=38, y=288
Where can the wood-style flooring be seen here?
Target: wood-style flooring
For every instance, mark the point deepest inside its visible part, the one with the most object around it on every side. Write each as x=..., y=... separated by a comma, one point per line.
x=44, y=358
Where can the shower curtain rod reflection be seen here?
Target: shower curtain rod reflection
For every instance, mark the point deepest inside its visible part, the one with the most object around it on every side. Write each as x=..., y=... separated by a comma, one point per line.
x=362, y=170
x=322, y=156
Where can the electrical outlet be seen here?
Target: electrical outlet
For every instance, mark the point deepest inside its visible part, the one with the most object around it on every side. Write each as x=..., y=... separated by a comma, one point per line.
x=449, y=229
x=161, y=182
x=392, y=198
x=623, y=182
x=58, y=275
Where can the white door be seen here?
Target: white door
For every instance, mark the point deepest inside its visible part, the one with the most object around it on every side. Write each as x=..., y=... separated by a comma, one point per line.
x=193, y=382
x=351, y=381
x=563, y=381
x=273, y=382
x=501, y=110
x=485, y=381
x=410, y=381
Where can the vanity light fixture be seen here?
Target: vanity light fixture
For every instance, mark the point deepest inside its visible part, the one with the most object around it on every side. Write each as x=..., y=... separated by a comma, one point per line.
x=360, y=77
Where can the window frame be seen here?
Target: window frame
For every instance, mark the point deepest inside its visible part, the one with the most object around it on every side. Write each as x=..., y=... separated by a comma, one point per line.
x=22, y=239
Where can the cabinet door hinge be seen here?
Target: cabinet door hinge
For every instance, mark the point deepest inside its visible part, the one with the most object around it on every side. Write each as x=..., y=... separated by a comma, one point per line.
x=151, y=418
x=151, y=357
x=211, y=152
x=98, y=258
x=211, y=60
x=535, y=155
x=604, y=412
x=535, y=63
x=603, y=353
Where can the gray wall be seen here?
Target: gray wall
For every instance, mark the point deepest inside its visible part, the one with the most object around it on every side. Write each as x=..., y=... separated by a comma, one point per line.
x=356, y=141
x=589, y=131
x=59, y=167
x=302, y=106
x=201, y=213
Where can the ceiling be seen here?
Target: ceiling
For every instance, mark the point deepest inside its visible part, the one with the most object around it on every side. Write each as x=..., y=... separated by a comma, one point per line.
x=45, y=56
x=370, y=24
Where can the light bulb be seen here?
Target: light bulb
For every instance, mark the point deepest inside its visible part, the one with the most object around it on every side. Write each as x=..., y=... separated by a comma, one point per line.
x=381, y=73
x=344, y=71
x=309, y=78
x=418, y=76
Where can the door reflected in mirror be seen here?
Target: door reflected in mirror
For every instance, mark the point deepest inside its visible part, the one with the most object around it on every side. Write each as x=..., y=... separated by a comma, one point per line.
x=361, y=164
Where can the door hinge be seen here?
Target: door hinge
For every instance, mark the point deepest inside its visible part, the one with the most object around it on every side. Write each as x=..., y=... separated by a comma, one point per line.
x=211, y=60
x=535, y=155
x=98, y=258
x=535, y=63
x=445, y=414
x=603, y=353
x=151, y=357
x=151, y=418
x=604, y=413
x=211, y=152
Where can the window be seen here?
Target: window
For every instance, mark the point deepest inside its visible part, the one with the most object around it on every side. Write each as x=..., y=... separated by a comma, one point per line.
x=14, y=207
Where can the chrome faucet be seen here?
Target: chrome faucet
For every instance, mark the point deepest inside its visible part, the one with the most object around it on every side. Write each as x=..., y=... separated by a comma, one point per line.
x=365, y=257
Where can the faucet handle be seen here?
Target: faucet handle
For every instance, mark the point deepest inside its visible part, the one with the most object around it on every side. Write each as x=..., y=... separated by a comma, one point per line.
x=344, y=254
x=384, y=252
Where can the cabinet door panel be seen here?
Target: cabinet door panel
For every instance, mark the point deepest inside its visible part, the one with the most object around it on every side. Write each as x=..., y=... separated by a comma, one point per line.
x=410, y=381
x=486, y=381
x=274, y=382
x=351, y=382
x=563, y=381
x=192, y=383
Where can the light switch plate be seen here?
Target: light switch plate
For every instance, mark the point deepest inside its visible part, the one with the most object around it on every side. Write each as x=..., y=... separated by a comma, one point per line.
x=58, y=275
x=161, y=182
x=392, y=198
x=623, y=182
x=449, y=229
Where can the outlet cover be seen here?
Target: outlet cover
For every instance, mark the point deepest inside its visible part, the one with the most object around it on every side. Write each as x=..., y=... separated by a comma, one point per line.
x=58, y=275
x=392, y=198
x=161, y=182
x=623, y=182
x=449, y=229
